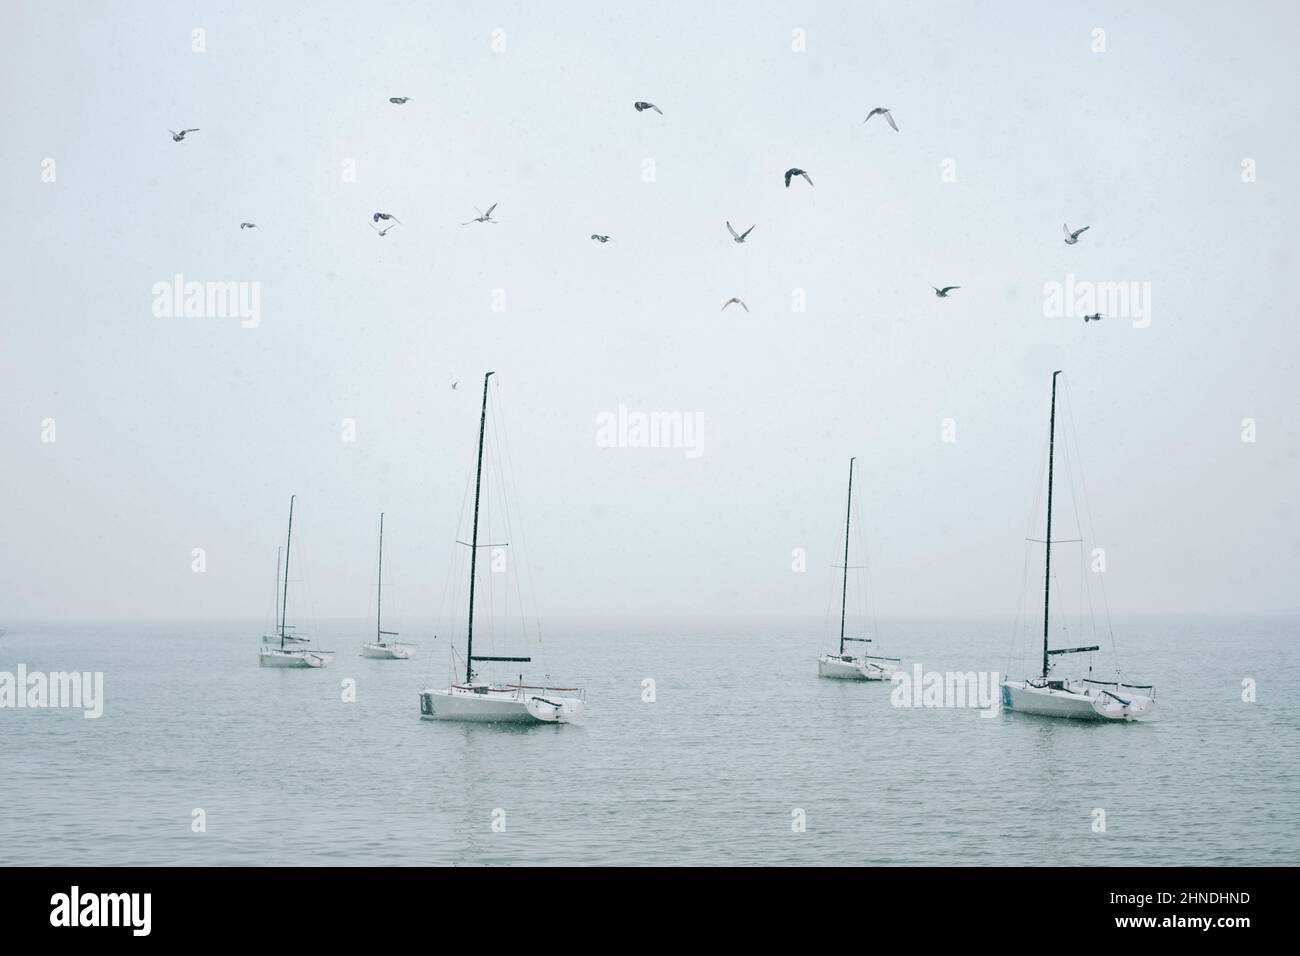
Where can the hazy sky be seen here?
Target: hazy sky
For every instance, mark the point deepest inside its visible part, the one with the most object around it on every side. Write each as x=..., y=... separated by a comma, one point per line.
x=182, y=433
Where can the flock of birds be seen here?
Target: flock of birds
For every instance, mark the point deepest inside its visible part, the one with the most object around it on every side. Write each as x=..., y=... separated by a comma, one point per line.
x=1071, y=235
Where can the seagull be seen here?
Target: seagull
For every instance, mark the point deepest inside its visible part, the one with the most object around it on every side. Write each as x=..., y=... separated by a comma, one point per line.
x=482, y=216
x=735, y=300
x=1093, y=318
x=741, y=237
x=642, y=106
x=399, y=100
x=789, y=173
x=1072, y=237
x=382, y=232
x=943, y=293
x=600, y=238
x=454, y=384
x=886, y=114
x=248, y=225
x=177, y=137
x=383, y=215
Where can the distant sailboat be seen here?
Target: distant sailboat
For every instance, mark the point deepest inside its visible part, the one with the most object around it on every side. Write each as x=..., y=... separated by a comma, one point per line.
x=496, y=703
x=379, y=648
x=1081, y=699
x=288, y=638
x=281, y=656
x=847, y=666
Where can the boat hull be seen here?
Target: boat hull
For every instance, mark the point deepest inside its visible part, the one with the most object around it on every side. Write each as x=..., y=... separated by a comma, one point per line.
x=499, y=704
x=838, y=669
x=883, y=669
x=1074, y=701
x=275, y=657
x=853, y=668
x=388, y=651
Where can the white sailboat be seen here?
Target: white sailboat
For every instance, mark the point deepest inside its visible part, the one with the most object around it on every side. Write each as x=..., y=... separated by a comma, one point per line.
x=379, y=648
x=1080, y=698
x=476, y=700
x=844, y=666
x=280, y=655
x=287, y=637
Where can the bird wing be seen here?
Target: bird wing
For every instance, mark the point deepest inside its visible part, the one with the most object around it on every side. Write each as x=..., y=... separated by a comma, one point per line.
x=1083, y=230
x=195, y=130
x=743, y=306
x=490, y=208
x=809, y=178
x=890, y=116
x=724, y=305
x=657, y=109
x=873, y=113
x=788, y=174
x=732, y=231
x=950, y=288
x=1066, y=227
x=748, y=231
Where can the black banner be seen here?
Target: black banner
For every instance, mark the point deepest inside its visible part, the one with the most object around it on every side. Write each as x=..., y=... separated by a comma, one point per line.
x=339, y=905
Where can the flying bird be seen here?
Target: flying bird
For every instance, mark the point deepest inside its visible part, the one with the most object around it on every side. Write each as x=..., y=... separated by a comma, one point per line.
x=735, y=300
x=482, y=216
x=177, y=137
x=943, y=293
x=453, y=385
x=1097, y=317
x=248, y=225
x=792, y=172
x=1072, y=237
x=383, y=215
x=600, y=238
x=642, y=106
x=399, y=100
x=886, y=114
x=741, y=237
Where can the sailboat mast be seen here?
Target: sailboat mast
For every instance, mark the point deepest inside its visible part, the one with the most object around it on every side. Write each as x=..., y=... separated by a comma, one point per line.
x=844, y=587
x=379, y=591
x=284, y=603
x=1047, y=571
x=473, y=543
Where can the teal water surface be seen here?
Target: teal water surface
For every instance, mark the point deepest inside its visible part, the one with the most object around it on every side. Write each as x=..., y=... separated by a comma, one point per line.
x=741, y=736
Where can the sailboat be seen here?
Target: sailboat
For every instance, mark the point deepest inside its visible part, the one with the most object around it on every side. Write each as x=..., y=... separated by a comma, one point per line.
x=1080, y=699
x=475, y=700
x=287, y=637
x=848, y=666
x=272, y=655
x=379, y=648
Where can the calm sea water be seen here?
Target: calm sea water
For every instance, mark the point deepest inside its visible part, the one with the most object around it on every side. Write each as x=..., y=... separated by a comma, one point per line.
x=741, y=734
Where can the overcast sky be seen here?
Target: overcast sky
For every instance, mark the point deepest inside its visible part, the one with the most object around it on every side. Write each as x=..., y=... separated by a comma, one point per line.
x=180, y=433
